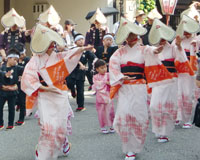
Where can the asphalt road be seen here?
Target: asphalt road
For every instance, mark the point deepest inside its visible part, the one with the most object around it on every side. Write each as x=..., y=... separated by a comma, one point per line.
x=88, y=143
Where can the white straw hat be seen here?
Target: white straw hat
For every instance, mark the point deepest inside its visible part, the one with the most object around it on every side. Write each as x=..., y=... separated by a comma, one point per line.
x=43, y=37
x=154, y=14
x=98, y=16
x=191, y=12
x=12, y=18
x=160, y=31
x=188, y=25
x=50, y=16
x=139, y=13
x=125, y=28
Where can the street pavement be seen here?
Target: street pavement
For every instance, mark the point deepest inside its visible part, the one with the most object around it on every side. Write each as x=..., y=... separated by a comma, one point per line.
x=88, y=143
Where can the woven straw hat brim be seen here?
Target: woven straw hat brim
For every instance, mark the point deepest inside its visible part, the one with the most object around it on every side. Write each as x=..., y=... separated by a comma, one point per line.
x=98, y=16
x=43, y=37
x=126, y=27
x=190, y=12
x=50, y=16
x=188, y=25
x=153, y=14
x=12, y=18
x=160, y=31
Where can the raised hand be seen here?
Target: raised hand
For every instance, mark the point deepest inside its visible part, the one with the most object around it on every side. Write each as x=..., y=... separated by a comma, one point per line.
x=88, y=48
x=128, y=78
x=158, y=49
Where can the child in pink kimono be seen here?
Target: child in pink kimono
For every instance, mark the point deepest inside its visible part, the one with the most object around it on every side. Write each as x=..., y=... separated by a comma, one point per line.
x=104, y=105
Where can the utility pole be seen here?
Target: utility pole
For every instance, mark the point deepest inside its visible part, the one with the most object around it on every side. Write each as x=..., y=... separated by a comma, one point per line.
x=6, y=6
x=121, y=7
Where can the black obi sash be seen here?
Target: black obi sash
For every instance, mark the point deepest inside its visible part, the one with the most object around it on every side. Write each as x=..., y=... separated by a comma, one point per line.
x=169, y=64
x=187, y=52
x=42, y=81
x=133, y=70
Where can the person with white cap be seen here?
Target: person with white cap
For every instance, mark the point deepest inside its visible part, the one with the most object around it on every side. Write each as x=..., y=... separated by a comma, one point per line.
x=186, y=83
x=163, y=104
x=43, y=81
x=139, y=17
x=12, y=36
x=95, y=36
x=105, y=52
x=75, y=81
x=151, y=16
x=9, y=76
x=127, y=67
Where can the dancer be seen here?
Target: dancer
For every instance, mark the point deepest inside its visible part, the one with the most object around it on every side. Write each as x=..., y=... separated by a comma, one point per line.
x=51, y=94
x=186, y=83
x=163, y=105
x=126, y=70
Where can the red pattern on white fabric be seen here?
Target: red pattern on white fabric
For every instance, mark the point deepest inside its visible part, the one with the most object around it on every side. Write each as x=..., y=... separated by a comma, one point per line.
x=132, y=127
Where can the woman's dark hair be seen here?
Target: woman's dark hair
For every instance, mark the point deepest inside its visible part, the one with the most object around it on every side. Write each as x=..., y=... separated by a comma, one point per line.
x=99, y=63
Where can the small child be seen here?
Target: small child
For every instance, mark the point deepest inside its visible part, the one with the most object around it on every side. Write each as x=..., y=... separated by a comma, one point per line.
x=104, y=105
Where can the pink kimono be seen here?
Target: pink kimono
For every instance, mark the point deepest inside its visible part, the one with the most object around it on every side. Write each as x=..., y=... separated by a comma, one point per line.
x=104, y=105
x=54, y=108
x=131, y=118
x=163, y=104
x=186, y=84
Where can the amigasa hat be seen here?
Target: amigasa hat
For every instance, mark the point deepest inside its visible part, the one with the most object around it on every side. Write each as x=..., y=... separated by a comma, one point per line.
x=125, y=28
x=191, y=12
x=98, y=16
x=154, y=14
x=50, y=16
x=160, y=31
x=43, y=37
x=12, y=18
x=188, y=25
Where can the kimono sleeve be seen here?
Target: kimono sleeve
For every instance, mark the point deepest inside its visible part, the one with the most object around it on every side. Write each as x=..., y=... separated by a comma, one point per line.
x=57, y=73
x=115, y=73
x=30, y=81
x=181, y=62
x=193, y=57
x=155, y=72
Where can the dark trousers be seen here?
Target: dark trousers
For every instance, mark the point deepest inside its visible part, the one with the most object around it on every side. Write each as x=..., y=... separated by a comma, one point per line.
x=79, y=85
x=21, y=102
x=89, y=76
x=11, y=109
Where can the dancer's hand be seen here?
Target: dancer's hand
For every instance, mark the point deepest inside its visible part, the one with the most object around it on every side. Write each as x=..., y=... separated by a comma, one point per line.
x=60, y=48
x=49, y=89
x=158, y=49
x=128, y=78
x=178, y=42
x=88, y=48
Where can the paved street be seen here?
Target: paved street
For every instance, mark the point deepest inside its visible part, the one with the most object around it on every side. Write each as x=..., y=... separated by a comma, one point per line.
x=89, y=144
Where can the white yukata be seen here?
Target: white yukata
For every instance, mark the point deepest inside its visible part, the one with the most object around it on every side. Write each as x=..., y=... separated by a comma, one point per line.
x=186, y=84
x=163, y=105
x=54, y=108
x=131, y=119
